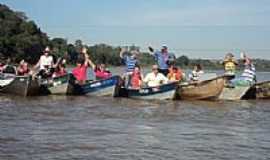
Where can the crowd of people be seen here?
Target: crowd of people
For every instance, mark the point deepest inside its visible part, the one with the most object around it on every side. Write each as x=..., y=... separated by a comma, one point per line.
x=164, y=71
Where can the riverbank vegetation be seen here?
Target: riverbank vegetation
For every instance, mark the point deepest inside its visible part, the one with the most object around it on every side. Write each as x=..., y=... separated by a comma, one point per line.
x=21, y=38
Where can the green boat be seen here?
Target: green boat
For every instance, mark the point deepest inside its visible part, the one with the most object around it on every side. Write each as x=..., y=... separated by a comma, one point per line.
x=58, y=85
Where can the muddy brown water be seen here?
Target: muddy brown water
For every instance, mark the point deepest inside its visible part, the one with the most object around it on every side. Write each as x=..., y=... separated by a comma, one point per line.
x=63, y=127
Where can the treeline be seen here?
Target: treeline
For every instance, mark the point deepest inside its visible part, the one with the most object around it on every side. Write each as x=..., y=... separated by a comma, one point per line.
x=21, y=38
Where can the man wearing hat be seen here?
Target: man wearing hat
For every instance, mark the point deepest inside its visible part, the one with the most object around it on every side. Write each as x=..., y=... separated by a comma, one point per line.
x=164, y=59
x=45, y=64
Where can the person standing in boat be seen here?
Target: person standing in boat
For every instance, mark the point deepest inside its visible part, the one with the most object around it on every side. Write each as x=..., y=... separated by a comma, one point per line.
x=45, y=64
x=80, y=71
x=164, y=59
x=248, y=76
x=9, y=69
x=230, y=64
x=155, y=79
x=131, y=62
x=196, y=73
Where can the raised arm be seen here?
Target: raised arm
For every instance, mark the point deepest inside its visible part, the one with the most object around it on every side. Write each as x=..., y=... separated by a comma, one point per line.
x=123, y=50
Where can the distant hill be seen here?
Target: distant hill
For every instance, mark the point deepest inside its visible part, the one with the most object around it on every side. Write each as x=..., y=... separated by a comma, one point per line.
x=19, y=37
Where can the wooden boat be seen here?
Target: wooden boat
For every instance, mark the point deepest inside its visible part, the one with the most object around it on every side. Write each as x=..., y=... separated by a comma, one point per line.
x=202, y=90
x=105, y=87
x=260, y=91
x=163, y=92
x=234, y=93
x=19, y=85
x=57, y=85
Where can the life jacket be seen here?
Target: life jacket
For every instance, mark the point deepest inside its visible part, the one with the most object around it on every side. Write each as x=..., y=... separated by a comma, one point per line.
x=136, y=80
x=175, y=76
x=22, y=71
x=102, y=74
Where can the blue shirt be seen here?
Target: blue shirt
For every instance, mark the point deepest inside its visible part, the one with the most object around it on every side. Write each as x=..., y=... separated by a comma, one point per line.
x=162, y=59
x=130, y=63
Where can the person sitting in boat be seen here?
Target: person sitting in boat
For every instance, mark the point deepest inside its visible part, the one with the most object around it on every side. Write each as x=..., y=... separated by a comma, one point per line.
x=175, y=74
x=80, y=72
x=9, y=69
x=155, y=78
x=196, y=73
x=248, y=77
x=230, y=64
x=163, y=59
x=23, y=69
x=131, y=62
x=45, y=64
x=136, y=78
x=102, y=72
x=60, y=69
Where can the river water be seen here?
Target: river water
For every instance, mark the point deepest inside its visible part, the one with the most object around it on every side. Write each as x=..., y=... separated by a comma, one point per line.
x=61, y=127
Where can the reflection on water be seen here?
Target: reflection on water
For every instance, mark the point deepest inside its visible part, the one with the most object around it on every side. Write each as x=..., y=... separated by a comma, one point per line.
x=60, y=127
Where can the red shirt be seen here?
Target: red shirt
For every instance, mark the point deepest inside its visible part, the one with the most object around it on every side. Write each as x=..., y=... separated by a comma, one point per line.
x=80, y=73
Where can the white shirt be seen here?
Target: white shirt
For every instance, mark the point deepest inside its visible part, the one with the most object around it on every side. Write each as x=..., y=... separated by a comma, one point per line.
x=46, y=61
x=153, y=80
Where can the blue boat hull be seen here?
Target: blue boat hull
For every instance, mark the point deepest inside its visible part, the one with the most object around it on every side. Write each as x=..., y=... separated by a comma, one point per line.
x=106, y=87
x=163, y=92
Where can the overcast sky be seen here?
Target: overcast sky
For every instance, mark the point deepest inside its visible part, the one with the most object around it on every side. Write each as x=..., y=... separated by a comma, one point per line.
x=196, y=28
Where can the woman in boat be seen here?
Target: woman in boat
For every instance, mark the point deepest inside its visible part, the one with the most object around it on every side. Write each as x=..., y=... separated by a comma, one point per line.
x=45, y=64
x=248, y=77
x=155, y=78
x=23, y=69
x=175, y=74
x=230, y=64
x=196, y=73
x=136, y=78
x=80, y=72
x=101, y=72
x=131, y=62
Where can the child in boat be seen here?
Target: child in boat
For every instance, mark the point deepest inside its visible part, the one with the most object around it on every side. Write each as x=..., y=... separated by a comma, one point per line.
x=23, y=69
x=80, y=72
x=155, y=79
x=196, y=73
x=230, y=64
x=136, y=78
x=175, y=74
x=102, y=72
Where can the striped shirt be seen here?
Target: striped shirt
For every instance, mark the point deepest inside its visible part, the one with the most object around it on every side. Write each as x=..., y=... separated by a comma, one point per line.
x=130, y=63
x=249, y=73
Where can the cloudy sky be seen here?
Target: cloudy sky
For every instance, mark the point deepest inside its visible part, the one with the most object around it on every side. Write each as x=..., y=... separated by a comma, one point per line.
x=197, y=28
